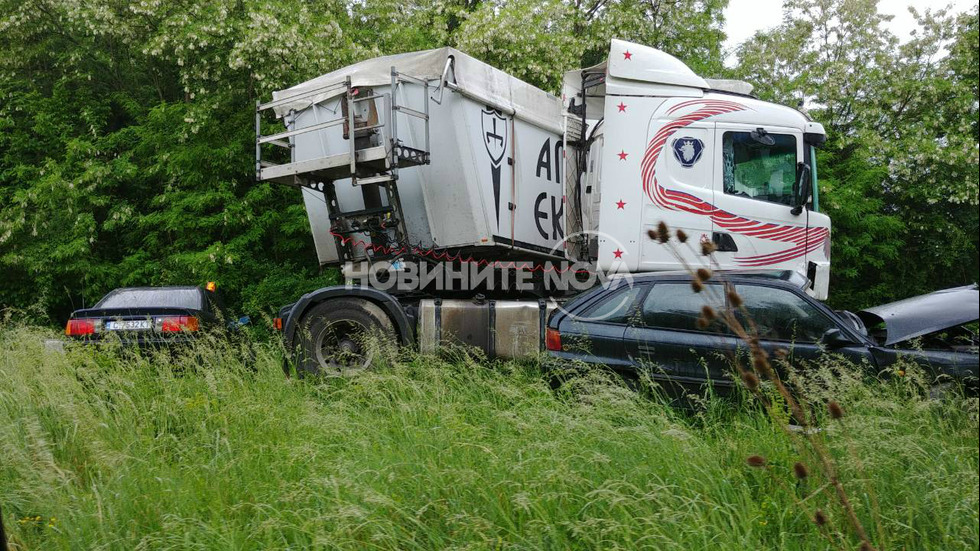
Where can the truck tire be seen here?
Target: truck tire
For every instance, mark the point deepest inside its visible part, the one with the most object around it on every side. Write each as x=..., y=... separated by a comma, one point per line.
x=340, y=337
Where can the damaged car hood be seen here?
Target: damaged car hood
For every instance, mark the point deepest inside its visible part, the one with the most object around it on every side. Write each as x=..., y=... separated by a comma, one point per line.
x=924, y=314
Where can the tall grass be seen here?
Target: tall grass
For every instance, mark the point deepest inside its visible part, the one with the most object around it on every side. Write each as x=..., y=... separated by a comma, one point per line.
x=213, y=450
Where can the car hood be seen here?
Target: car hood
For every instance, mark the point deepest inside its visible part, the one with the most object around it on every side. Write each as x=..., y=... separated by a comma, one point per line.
x=924, y=314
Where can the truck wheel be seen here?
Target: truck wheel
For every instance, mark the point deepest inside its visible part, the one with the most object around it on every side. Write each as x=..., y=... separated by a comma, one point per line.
x=340, y=336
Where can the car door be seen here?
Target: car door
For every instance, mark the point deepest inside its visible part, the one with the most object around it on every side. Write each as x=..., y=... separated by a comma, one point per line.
x=787, y=319
x=665, y=341
x=754, y=225
x=593, y=333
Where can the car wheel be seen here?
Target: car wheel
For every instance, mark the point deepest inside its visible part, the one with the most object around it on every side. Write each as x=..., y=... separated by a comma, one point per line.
x=340, y=337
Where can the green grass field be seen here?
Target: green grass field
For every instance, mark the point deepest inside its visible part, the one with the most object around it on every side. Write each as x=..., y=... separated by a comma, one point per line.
x=114, y=451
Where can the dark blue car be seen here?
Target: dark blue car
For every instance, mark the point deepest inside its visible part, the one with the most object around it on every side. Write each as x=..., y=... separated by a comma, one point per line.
x=151, y=316
x=649, y=323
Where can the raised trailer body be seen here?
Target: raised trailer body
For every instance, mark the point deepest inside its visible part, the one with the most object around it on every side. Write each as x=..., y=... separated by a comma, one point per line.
x=491, y=184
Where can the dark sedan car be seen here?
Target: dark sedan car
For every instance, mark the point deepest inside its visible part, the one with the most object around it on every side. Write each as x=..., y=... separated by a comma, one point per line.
x=150, y=315
x=650, y=323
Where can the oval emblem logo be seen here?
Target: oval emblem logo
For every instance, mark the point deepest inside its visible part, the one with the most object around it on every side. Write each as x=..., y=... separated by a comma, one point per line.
x=687, y=150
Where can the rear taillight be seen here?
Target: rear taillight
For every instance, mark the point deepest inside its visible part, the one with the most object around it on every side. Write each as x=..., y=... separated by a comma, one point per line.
x=176, y=324
x=552, y=339
x=277, y=324
x=80, y=327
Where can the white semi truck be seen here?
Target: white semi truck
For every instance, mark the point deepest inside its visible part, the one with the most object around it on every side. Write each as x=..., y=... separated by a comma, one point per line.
x=411, y=161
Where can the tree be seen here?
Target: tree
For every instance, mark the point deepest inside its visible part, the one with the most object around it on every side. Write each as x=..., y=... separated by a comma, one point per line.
x=898, y=174
x=126, y=127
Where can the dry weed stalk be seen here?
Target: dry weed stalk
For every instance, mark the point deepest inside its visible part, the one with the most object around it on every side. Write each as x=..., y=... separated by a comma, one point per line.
x=806, y=441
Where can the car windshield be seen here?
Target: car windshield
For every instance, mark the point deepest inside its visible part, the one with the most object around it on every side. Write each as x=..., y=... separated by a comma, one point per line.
x=152, y=298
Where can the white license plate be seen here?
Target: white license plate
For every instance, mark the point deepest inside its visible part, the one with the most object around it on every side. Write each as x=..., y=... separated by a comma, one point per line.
x=128, y=325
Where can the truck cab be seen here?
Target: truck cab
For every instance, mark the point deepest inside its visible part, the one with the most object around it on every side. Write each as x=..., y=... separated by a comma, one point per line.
x=665, y=145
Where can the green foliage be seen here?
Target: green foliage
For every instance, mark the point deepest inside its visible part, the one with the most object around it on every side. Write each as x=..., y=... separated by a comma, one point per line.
x=126, y=132
x=194, y=451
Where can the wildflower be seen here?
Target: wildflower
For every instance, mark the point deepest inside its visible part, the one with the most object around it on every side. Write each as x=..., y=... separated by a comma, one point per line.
x=819, y=518
x=756, y=461
x=663, y=232
x=800, y=470
x=707, y=247
x=704, y=274
x=836, y=412
x=681, y=236
x=750, y=380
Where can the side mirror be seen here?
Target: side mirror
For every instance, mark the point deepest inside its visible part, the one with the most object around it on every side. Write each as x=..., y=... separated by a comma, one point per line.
x=801, y=188
x=834, y=339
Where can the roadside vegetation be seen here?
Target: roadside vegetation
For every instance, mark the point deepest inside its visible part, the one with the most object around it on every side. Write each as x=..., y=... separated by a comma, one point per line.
x=216, y=449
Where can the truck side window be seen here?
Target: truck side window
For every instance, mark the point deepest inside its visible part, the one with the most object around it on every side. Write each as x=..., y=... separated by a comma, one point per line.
x=677, y=306
x=781, y=315
x=760, y=169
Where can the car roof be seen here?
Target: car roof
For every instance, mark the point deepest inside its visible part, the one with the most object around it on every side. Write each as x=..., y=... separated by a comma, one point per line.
x=787, y=277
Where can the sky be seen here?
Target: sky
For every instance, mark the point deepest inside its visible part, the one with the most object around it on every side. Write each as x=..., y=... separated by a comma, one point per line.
x=744, y=17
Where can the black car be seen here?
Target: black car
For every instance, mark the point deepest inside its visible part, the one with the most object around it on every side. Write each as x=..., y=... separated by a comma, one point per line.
x=650, y=323
x=151, y=315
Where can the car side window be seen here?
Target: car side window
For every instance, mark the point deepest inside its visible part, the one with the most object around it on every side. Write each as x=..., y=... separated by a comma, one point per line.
x=614, y=307
x=677, y=306
x=782, y=315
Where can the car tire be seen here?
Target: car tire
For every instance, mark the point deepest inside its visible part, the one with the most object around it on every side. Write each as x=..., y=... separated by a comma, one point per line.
x=340, y=337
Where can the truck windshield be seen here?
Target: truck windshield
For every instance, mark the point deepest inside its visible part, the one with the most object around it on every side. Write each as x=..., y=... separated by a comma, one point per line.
x=757, y=169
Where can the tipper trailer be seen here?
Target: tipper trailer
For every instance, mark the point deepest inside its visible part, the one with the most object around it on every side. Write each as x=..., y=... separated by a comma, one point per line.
x=410, y=161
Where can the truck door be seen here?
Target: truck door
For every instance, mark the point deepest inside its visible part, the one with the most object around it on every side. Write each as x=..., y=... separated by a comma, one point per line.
x=753, y=225
x=686, y=171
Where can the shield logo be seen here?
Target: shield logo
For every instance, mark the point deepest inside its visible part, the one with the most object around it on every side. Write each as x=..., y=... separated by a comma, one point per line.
x=687, y=150
x=494, y=135
x=494, y=129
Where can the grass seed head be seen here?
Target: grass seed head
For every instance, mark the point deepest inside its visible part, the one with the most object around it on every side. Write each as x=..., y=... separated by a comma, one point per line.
x=702, y=323
x=819, y=517
x=733, y=298
x=704, y=274
x=681, y=236
x=696, y=285
x=781, y=353
x=800, y=470
x=756, y=461
x=836, y=412
x=707, y=247
x=865, y=546
x=652, y=234
x=750, y=380
x=663, y=232
x=708, y=313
